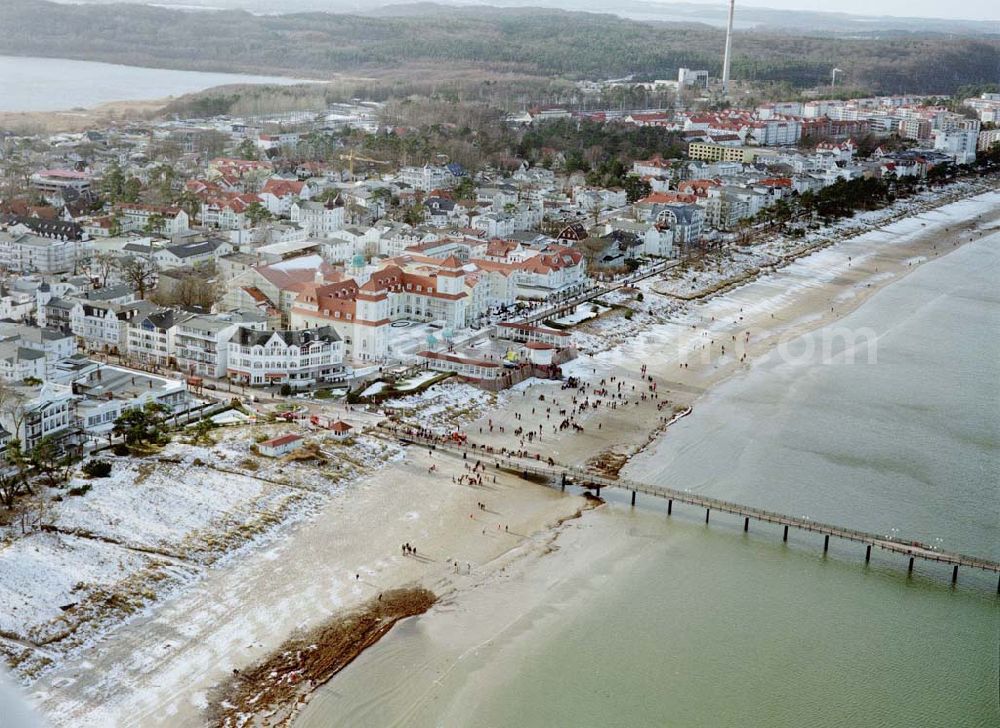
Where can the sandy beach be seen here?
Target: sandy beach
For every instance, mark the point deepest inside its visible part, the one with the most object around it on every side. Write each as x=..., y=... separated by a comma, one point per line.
x=162, y=668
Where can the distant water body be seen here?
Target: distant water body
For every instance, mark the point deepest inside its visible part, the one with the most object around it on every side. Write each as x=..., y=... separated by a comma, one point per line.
x=57, y=84
x=674, y=623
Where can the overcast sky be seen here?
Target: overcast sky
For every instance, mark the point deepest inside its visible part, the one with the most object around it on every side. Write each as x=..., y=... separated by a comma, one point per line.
x=969, y=9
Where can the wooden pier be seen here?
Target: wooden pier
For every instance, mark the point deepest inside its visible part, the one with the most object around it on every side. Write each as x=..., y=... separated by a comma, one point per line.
x=567, y=475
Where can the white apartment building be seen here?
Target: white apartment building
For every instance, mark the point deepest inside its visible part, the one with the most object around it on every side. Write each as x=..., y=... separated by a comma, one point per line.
x=278, y=194
x=105, y=393
x=299, y=358
x=104, y=326
x=52, y=345
x=318, y=219
x=18, y=363
x=987, y=139
x=426, y=178
x=45, y=411
x=137, y=217
x=960, y=145
x=201, y=343
x=151, y=338
x=22, y=252
x=17, y=305
x=774, y=132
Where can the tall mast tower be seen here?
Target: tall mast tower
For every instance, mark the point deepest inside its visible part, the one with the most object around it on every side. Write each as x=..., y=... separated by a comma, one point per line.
x=729, y=45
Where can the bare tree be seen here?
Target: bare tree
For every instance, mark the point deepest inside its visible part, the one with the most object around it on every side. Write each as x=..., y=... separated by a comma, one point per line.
x=37, y=514
x=195, y=290
x=140, y=273
x=104, y=265
x=12, y=409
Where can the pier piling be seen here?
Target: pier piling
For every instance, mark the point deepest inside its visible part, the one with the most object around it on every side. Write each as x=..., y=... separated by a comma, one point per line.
x=594, y=483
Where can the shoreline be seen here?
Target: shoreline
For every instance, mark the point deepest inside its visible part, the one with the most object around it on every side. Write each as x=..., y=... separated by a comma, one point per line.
x=272, y=691
x=66, y=698
x=659, y=430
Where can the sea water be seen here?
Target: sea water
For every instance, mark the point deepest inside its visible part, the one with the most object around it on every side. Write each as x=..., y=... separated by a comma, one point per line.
x=644, y=620
x=54, y=84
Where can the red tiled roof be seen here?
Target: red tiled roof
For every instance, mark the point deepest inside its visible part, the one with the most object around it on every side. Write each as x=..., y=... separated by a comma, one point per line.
x=282, y=440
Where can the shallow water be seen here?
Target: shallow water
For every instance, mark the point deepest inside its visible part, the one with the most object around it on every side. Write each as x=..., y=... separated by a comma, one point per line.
x=54, y=84
x=643, y=620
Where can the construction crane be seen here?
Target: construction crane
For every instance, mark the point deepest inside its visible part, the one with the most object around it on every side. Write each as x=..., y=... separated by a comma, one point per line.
x=349, y=158
x=833, y=77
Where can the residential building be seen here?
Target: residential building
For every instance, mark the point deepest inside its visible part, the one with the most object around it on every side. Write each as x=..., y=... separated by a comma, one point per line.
x=722, y=152
x=319, y=219
x=106, y=392
x=959, y=145
x=192, y=254
x=987, y=139
x=281, y=445
x=158, y=219
x=61, y=185
x=23, y=252
x=53, y=345
x=426, y=178
x=300, y=358
x=18, y=362
x=201, y=343
x=685, y=221
x=278, y=194
x=915, y=128
x=104, y=326
x=151, y=338
x=42, y=411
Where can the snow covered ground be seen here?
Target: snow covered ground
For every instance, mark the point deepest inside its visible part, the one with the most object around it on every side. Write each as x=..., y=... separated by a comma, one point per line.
x=583, y=312
x=185, y=511
x=46, y=572
x=155, y=524
x=374, y=388
x=407, y=385
x=442, y=408
x=663, y=298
